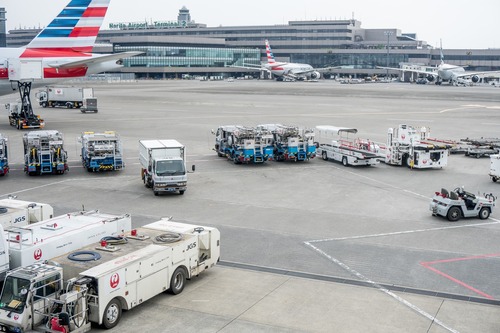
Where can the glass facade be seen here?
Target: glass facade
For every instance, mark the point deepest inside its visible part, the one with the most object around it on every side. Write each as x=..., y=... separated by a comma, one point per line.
x=180, y=56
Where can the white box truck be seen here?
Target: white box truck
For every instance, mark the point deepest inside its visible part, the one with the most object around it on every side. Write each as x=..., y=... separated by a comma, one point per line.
x=98, y=282
x=163, y=165
x=67, y=96
x=44, y=240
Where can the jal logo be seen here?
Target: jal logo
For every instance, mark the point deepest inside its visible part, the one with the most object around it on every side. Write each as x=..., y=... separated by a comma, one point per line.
x=403, y=136
x=38, y=254
x=424, y=161
x=16, y=317
x=114, y=280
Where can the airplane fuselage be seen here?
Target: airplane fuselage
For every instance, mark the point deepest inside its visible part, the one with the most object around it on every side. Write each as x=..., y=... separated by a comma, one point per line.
x=290, y=69
x=43, y=70
x=448, y=72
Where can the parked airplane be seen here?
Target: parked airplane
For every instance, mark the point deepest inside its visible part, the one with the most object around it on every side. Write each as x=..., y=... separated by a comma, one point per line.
x=452, y=74
x=287, y=70
x=60, y=51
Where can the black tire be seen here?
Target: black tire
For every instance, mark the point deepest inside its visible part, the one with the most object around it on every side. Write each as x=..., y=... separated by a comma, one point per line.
x=454, y=214
x=324, y=156
x=178, y=281
x=44, y=104
x=181, y=192
x=494, y=179
x=484, y=213
x=344, y=161
x=112, y=314
x=156, y=193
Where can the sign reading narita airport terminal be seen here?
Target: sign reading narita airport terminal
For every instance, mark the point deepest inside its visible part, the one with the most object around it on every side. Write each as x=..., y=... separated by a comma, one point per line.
x=150, y=25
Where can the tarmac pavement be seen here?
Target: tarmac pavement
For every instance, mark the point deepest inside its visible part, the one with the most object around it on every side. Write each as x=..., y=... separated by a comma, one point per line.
x=306, y=247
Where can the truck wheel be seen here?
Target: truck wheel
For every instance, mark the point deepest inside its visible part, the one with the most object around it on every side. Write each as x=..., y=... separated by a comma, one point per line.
x=324, y=156
x=344, y=161
x=494, y=179
x=44, y=104
x=156, y=193
x=112, y=314
x=453, y=214
x=181, y=192
x=177, y=281
x=484, y=213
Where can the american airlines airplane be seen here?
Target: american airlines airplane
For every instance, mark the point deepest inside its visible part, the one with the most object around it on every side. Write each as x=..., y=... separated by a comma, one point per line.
x=61, y=51
x=287, y=70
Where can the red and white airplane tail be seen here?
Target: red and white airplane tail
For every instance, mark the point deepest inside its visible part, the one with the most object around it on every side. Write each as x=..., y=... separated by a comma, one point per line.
x=62, y=50
x=269, y=53
x=72, y=32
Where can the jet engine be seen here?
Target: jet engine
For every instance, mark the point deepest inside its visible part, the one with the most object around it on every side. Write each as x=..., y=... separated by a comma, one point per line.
x=475, y=78
x=430, y=78
x=315, y=75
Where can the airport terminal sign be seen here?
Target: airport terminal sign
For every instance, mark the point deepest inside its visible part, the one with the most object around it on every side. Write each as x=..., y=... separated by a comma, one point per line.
x=148, y=25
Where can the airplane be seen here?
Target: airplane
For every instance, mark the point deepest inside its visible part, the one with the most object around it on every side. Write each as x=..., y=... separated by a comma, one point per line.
x=453, y=74
x=287, y=71
x=61, y=51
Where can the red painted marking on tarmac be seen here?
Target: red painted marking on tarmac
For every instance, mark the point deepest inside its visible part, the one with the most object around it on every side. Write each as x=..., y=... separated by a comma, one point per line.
x=429, y=264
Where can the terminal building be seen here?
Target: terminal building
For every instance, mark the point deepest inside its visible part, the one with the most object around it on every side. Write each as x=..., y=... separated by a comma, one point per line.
x=182, y=48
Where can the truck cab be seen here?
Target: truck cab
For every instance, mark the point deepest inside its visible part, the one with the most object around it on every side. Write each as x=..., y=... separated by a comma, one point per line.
x=163, y=165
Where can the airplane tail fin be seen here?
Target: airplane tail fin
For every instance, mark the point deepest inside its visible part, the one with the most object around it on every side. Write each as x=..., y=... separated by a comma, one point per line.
x=270, y=55
x=74, y=30
x=441, y=51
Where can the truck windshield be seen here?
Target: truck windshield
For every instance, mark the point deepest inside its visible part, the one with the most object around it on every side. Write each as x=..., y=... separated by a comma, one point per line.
x=170, y=168
x=14, y=294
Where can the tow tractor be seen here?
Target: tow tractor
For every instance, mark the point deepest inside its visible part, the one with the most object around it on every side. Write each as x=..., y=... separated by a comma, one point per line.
x=459, y=203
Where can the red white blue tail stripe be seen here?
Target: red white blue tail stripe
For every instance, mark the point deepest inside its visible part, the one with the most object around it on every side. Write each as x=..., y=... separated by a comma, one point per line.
x=270, y=56
x=72, y=32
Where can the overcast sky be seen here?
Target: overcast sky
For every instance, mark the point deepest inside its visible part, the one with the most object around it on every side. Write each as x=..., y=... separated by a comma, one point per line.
x=460, y=24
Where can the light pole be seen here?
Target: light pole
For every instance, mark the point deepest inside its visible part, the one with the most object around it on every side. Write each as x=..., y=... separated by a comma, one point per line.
x=388, y=34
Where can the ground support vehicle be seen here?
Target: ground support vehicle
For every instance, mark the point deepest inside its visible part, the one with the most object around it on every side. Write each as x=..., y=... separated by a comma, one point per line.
x=238, y=143
x=408, y=147
x=19, y=213
x=22, y=116
x=334, y=143
x=163, y=165
x=478, y=152
x=4, y=156
x=101, y=151
x=49, y=238
x=44, y=153
x=459, y=203
x=291, y=142
x=495, y=167
x=68, y=97
x=105, y=280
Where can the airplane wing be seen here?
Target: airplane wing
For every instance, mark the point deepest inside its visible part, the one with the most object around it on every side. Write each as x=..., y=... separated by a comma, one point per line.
x=410, y=70
x=249, y=66
x=465, y=74
x=97, y=59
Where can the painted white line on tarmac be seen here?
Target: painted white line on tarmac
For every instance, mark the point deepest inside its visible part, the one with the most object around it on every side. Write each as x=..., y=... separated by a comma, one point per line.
x=405, y=232
x=382, y=289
